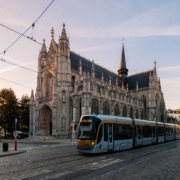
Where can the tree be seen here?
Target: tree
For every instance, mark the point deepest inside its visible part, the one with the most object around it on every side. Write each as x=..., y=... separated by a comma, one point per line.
x=24, y=113
x=8, y=109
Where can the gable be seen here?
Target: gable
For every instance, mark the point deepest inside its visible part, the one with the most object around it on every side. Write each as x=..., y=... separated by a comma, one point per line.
x=141, y=78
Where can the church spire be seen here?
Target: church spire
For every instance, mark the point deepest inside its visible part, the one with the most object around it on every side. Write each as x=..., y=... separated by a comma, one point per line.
x=52, y=33
x=63, y=34
x=43, y=49
x=123, y=71
x=32, y=96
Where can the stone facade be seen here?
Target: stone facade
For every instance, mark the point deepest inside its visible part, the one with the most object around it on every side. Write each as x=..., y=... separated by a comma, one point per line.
x=69, y=86
x=173, y=116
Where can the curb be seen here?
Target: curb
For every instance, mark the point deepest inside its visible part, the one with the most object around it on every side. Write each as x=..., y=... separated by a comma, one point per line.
x=12, y=153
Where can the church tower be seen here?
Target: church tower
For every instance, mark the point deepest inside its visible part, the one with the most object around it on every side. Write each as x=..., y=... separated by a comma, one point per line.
x=64, y=65
x=123, y=71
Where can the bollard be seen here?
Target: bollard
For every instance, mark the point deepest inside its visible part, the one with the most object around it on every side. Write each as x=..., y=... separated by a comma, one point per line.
x=5, y=147
x=15, y=144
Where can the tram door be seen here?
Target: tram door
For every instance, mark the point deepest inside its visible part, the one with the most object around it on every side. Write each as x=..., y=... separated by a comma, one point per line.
x=139, y=135
x=110, y=137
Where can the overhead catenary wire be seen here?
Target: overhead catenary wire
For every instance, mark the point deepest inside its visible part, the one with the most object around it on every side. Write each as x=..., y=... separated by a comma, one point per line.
x=27, y=29
x=16, y=83
x=19, y=66
x=47, y=47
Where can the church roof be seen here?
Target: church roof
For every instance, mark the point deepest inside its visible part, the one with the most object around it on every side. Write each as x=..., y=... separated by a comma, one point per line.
x=142, y=79
x=87, y=67
x=123, y=60
x=122, y=68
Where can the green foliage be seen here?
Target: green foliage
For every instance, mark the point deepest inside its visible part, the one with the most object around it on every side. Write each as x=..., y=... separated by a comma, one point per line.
x=24, y=113
x=8, y=109
x=11, y=108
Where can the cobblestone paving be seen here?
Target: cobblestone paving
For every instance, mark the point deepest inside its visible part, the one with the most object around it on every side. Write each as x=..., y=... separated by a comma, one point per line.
x=164, y=165
x=61, y=161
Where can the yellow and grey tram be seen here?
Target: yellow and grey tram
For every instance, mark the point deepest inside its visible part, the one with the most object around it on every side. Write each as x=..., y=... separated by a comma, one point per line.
x=104, y=133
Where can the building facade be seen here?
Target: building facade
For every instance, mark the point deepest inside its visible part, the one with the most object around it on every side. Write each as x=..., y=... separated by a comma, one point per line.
x=69, y=86
x=173, y=116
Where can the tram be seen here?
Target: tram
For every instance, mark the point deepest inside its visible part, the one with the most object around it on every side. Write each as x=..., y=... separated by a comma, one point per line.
x=106, y=133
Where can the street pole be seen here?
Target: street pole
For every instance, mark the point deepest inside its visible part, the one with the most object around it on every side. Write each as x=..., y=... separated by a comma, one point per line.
x=71, y=134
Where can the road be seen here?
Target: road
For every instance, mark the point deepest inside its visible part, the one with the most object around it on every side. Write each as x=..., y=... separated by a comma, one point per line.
x=62, y=161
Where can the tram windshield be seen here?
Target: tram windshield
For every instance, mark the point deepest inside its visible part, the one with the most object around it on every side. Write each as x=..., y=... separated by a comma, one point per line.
x=88, y=128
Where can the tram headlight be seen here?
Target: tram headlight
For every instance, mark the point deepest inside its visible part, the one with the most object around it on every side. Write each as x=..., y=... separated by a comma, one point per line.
x=92, y=143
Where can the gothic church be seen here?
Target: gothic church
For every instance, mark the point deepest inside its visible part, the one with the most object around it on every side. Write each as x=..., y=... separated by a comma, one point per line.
x=69, y=86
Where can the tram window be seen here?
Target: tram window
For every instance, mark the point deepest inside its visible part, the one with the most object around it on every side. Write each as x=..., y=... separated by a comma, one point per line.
x=110, y=132
x=154, y=132
x=105, y=132
x=160, y=131
x=122, y=132
x=147, y=131
x=100, y=134
x=139, y=132
x=116, y=131
x=168, y=131
x=173, y=131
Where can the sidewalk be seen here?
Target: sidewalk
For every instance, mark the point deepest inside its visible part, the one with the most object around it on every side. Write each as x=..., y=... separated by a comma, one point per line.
x=11, y=152
x=45, y=139
x=34, y=139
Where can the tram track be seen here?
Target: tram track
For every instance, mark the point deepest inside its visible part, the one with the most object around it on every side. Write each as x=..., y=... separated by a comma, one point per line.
x=38, y=160
x=71, y=175
x=67, y=166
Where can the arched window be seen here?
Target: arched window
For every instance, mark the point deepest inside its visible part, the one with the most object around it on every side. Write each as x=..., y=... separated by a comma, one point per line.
x=162, y=117
x=124, y=111
x=157, y=99
x=131, y=112
x=63, y=96
x=106, y=108
x=116, y=111
x=49, y=85
x=94, y=106
x=80, y=107
x=137, y=114
x=65, y=49
x=71, y=110
x=62, y=48
x=142, y=114
x=144, y=101
x=73, y=78
x=144, y=107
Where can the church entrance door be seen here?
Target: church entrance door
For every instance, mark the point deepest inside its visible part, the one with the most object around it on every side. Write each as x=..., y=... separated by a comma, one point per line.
x=46, y=121
x=50, y=128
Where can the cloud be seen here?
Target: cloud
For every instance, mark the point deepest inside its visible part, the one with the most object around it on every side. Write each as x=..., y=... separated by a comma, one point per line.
x=171, y=83
x=170, y=89
x=14, y=66
x=155, y=22
x=95, y=48
x=169, y=68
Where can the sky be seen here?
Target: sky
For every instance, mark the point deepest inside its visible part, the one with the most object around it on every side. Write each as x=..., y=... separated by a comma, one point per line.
x=150, y=29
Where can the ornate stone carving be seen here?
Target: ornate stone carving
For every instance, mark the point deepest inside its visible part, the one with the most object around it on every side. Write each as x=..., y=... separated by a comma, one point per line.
x=63, y=122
